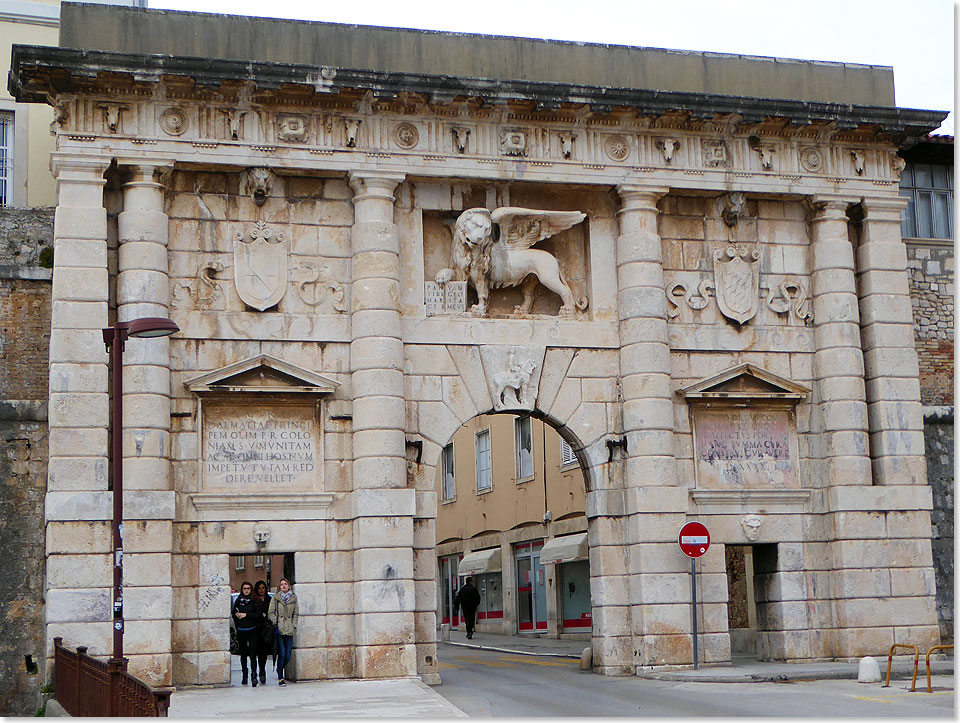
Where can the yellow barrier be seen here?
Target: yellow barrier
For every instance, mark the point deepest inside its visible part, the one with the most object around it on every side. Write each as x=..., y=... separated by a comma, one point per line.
x=916, y=664
x=935, y=647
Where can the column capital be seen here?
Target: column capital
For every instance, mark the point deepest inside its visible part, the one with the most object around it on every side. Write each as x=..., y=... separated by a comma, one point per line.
x=373, y=184
x=81, y=168
x=637, y=195
x=883, y=208
x=829, y=206
x=145, y=170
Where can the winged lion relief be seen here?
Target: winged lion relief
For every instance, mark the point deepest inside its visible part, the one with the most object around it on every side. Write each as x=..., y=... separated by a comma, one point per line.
x=487, y=261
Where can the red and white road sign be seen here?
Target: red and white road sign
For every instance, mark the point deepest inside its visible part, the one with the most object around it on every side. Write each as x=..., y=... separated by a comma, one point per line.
x=694, y=539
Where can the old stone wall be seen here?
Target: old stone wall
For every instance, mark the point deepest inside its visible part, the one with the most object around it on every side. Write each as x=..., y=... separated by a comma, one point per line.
x=939, y=439
x=25, y=240
x=931, y=289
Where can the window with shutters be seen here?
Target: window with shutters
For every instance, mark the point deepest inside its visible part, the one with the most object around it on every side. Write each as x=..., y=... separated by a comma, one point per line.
x=449, y=481
x=523, y=439
x=484, y=481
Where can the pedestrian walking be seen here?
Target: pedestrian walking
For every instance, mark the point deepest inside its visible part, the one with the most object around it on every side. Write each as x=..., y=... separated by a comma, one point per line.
x=283, y=613
x=468, y=600
x=266, y=643
x=247, y=618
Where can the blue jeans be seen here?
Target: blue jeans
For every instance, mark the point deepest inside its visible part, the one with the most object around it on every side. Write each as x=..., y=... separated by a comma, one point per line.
x=284, y=650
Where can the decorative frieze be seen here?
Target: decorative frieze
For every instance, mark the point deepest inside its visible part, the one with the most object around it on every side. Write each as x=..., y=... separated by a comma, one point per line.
x=296, y=129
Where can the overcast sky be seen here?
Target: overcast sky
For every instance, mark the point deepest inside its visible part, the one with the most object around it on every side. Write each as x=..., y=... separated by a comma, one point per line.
x=916, y=37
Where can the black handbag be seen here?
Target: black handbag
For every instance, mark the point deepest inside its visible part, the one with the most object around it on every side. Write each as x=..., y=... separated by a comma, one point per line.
x=234, y=643
x=268, y=632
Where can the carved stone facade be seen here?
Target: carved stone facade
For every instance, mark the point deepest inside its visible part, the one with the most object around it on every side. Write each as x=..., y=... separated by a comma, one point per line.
x=723, y=302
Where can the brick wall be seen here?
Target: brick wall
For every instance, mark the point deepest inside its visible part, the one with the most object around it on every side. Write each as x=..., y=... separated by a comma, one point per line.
x=25, y=242
x=932, y=288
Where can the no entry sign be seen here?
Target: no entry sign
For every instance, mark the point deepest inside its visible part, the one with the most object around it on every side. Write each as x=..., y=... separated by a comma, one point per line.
x=694, y=539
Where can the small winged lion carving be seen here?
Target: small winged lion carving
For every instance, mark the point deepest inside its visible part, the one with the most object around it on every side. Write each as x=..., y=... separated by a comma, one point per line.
x=509, y=261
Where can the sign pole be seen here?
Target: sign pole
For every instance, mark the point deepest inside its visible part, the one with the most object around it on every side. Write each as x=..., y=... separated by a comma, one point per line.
x=694, y=541
x=693, y=587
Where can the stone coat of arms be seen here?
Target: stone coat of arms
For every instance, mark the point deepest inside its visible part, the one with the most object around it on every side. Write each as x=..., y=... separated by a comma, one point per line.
x=260, y=266
x=737, y=276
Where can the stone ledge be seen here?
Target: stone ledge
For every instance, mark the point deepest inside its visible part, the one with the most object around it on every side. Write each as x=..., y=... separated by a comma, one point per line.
x=22, y=410
x=938, y=414
x=26, y=273
x=226, y=506
x=735, y=501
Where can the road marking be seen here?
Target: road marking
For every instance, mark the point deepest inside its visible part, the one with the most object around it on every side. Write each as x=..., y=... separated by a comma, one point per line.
x=488, y=663
x=537, y=661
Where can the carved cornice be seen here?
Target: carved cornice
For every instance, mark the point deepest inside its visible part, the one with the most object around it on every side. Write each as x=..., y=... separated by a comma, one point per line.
x=35, y=70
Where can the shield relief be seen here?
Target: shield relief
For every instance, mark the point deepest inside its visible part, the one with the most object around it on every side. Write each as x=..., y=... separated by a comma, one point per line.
x=737, y=277
x=260, y=266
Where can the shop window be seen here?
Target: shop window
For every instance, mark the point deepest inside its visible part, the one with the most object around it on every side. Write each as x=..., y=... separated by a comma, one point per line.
x=449, y=481
x=523, y=437
x=490, y=586
x=928, y=189
x=484, y=481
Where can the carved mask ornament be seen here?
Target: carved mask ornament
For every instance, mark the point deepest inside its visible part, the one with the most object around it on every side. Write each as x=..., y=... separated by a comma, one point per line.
x=751, y=527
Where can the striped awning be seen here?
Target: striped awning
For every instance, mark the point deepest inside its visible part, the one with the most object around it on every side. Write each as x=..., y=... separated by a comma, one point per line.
x=564, y=549
x=479, y=562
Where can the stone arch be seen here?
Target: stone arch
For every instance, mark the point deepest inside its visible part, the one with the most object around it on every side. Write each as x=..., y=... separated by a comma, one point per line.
x=575, y=392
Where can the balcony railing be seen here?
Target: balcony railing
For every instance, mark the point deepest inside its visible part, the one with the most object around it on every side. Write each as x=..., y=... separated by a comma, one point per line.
x=85, y=686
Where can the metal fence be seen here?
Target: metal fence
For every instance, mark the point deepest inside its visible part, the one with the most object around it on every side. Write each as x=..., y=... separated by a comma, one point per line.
x=85, y=686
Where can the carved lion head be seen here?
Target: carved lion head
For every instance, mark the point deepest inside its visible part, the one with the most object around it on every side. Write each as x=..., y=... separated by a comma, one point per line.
x=473, y=226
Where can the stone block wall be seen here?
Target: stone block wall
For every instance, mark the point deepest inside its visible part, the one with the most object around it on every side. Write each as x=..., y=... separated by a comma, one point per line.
x=931, y=269
x=938, y=435
x=25, y=240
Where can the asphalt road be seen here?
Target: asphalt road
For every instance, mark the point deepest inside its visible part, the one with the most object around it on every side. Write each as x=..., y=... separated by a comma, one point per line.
x=488, y=683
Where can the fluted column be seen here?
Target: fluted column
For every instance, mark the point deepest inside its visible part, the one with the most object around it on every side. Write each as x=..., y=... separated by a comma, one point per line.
x=838, y=360
x=890, y=358
x=143, y=290
x=383, y=507
x=656, y=507
x=78, y=504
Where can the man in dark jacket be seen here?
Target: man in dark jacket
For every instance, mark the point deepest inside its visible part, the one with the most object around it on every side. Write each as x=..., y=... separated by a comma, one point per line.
x=468, y=600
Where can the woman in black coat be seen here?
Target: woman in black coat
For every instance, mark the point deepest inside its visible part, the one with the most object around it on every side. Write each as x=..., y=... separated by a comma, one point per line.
x=265, y=643
x=247, y=617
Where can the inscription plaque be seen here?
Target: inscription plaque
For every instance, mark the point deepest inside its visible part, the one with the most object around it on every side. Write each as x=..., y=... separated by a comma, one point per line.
x=450, y=298
x=249, y=449
x=745, y=448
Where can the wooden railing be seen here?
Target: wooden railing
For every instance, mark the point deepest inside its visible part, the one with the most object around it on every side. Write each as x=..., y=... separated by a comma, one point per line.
x=85, y=686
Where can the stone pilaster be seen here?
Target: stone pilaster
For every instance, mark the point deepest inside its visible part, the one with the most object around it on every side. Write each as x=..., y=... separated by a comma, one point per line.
x=838, y=360
x=78, y=503
x=143, y=290
x=383, y=507
x=655, y=507
x=890, y=358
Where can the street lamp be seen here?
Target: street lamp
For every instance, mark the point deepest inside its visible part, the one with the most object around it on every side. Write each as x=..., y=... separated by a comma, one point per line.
x=114, y=338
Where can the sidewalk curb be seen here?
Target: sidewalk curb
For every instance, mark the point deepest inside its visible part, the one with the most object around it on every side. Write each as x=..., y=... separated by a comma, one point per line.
x=477, y=646
x=899, y=673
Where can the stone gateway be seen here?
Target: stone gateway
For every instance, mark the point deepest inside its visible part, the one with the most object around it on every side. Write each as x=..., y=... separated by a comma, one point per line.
x=705, y=294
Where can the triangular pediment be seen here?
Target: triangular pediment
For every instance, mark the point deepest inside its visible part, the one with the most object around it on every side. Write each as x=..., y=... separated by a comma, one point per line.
x=745, y=381
x=262, y=373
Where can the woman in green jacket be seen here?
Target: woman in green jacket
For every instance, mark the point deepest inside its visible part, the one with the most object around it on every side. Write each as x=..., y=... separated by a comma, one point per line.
x=283, y=613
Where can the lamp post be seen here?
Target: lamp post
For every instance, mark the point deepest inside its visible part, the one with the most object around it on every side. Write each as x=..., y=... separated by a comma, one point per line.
x=114, y=338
